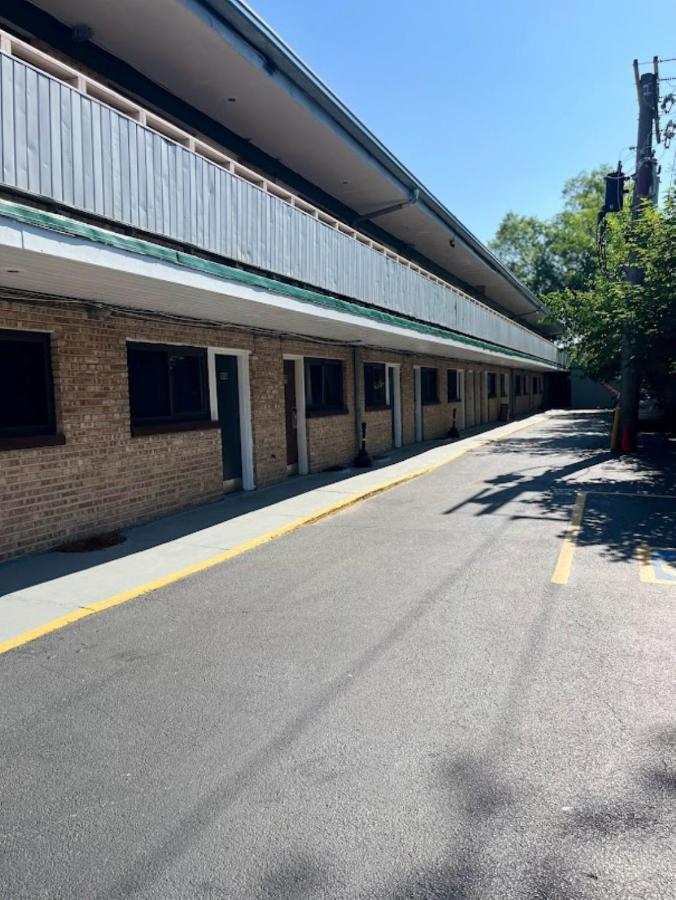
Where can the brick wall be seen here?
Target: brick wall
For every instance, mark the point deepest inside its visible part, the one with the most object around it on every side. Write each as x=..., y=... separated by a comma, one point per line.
x=331, y=438
x=267, y=410
x=103, y=478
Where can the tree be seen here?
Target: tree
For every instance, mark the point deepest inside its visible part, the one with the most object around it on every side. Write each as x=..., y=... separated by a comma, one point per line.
x=592, y=299
x=557, y=253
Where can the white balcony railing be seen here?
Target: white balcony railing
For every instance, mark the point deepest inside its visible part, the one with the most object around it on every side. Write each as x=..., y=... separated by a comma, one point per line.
x=68, y=138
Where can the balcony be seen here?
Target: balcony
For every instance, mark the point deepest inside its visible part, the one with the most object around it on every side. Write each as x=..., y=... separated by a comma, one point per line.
x=66, y=138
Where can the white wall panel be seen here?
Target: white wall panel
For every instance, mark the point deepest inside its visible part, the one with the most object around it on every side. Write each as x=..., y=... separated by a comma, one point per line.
x=61, y=144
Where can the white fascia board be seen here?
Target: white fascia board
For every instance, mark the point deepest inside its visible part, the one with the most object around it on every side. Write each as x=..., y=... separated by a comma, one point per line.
x=60, y=247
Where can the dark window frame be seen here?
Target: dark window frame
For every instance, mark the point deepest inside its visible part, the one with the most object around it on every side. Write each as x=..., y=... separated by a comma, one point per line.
x=491, y=379
x=429, y=399
x=453, y=396
x=141, y=424
x=324, y=407
x=29, y=435
x=370, y=399
x=504, y=385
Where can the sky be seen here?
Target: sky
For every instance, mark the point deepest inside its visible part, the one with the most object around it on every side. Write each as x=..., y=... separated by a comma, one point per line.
x=492, y=105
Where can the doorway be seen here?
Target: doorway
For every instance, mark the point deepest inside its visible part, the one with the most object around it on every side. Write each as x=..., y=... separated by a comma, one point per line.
x=417, y=394
x=291, y=416
x=469, y=399
x=227, y=392
x=394, y=401
x=297, y=460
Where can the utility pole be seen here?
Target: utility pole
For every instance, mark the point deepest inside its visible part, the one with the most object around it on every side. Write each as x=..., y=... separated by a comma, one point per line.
x=644, y=189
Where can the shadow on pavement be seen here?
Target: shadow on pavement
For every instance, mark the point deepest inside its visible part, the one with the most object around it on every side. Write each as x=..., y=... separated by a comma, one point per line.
x=45, y=566
x=617, y=518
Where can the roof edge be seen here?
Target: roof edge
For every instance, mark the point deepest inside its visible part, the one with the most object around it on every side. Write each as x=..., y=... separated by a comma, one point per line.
x=240, y=16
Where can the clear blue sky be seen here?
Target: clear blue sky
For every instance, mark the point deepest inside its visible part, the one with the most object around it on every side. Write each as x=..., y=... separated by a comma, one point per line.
x=491, y=103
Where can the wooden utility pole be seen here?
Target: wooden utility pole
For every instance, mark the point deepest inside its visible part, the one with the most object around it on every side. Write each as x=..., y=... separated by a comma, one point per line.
x=644, y=190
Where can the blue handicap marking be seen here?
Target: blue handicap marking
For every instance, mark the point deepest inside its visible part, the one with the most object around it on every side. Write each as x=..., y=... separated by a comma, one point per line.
x=664, y=564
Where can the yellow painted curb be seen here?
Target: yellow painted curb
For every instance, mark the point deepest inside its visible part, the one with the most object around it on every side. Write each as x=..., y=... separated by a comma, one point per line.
x=180, y=574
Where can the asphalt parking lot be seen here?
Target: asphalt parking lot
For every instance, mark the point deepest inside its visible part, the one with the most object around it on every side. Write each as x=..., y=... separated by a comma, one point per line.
x=394, y=702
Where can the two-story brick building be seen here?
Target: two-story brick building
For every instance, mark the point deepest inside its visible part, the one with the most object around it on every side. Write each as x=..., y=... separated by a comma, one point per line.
x=211, y=274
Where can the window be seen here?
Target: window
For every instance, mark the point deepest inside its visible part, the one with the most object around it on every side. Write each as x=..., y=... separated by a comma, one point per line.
x=453, y=384
x=517, y=385
x=503, y=385
x=375, y=379
x=492, y=385
x=428, y=385
x=324, y=385
x=167, y=384
x=27, y=395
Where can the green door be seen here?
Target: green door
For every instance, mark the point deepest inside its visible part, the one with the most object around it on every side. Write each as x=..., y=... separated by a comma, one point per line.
x=227, y=390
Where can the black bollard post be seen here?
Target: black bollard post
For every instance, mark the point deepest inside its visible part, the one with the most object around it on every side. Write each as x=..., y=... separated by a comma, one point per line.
x=453, y=431
x=362, y=460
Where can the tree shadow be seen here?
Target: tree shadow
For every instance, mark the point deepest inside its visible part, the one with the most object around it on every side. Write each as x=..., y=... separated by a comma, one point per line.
x=619, y=516
x=297, y=877
x=572, y=864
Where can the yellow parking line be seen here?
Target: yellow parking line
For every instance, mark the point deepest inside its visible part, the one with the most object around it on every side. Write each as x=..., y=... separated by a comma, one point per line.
x=225, y=555
x=565, y=561
x=646, y=571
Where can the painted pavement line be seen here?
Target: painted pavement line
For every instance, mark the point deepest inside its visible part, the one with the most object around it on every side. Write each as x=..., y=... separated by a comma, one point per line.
x=180, y=574
x=565, y=561
x=648, y=567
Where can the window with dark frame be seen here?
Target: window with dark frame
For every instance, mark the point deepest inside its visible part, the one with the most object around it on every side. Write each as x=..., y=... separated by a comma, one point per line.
x=517, y=385
x=453, y=385
x=167, y=384
x=324, y=385
x=503, y=385
x=492, y=385
x=429, y=392
x=27, y=395
x=375, y=385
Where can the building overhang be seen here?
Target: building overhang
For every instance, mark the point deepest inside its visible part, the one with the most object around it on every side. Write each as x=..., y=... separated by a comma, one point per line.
x=54, y=258
x=207, y=52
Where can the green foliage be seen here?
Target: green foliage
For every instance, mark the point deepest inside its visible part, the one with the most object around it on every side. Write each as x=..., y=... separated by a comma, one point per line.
x=559, y=260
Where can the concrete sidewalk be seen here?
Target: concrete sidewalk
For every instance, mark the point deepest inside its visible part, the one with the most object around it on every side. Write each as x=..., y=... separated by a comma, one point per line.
x=43, y=592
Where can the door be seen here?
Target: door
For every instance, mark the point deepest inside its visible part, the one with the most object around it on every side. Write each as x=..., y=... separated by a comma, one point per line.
x=391, y=395
x=227, y=390
x=469, y=399
x=417, y=397
x=291, y=413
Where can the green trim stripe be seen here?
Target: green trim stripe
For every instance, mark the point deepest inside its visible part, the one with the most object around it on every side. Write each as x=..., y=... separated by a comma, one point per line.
x=53, y=222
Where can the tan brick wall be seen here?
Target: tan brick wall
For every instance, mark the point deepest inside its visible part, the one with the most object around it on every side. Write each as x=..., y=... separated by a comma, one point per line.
x=378, y=431
x=379, y=435
x=268, y=410
x=331, y=438
x=103, y=478
x=438, y=417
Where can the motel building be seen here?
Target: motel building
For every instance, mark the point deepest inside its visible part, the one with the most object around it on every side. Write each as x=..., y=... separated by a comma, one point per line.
x=211, y=273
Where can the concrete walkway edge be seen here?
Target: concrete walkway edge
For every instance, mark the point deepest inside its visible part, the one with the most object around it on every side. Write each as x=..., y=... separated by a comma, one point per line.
x=29, y=613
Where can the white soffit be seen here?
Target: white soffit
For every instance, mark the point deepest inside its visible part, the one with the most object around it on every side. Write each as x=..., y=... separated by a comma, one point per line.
x=191, y=54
